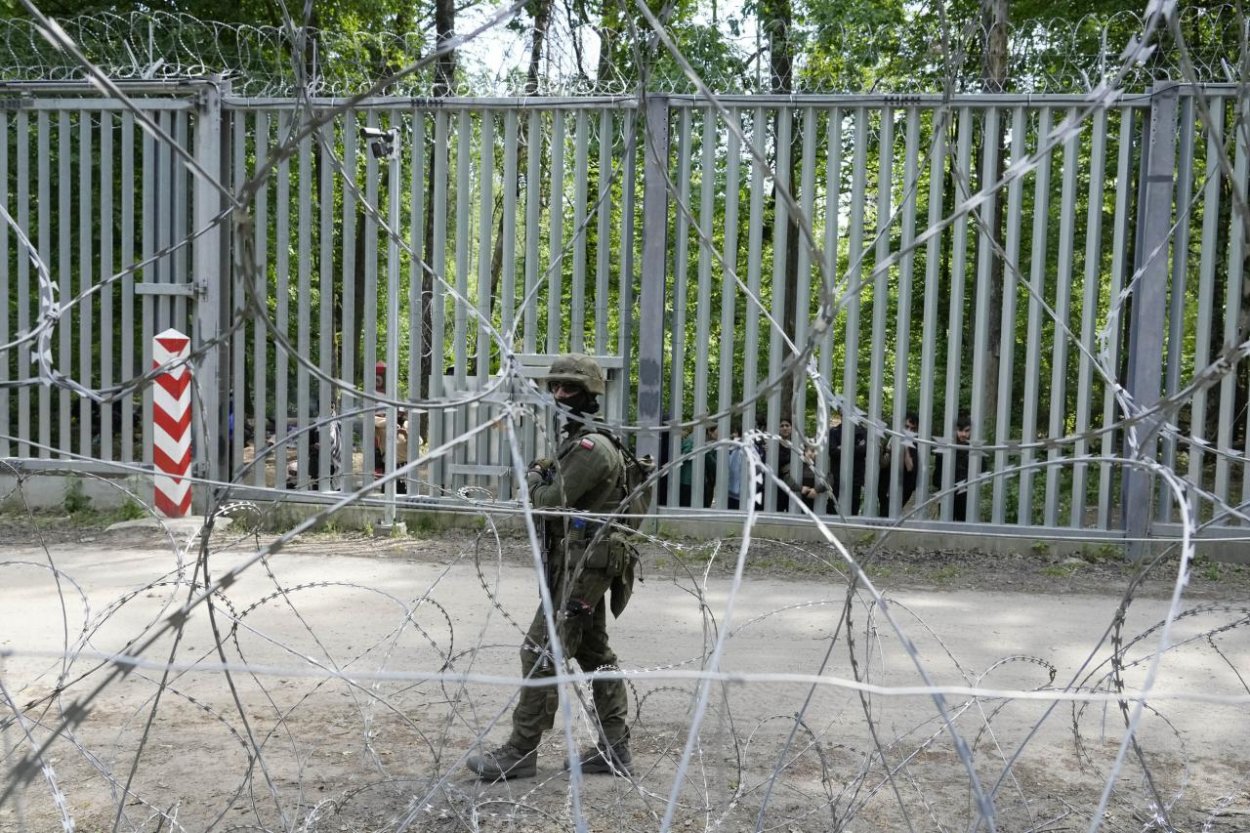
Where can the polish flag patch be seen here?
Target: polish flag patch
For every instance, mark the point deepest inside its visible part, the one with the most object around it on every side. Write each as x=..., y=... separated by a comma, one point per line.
x=587, y=443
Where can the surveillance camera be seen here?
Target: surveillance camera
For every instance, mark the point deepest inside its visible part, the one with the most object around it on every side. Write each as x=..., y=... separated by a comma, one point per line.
x=383, y=144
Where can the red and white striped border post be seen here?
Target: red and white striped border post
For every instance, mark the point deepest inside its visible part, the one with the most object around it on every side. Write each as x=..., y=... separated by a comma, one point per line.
x=171, y=423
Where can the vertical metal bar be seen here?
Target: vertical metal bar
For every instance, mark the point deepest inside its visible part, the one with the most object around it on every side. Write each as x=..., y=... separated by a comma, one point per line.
x=369, y=315
x=880, y=308
x=507, y=240
x=1007, y=336
x=1109, y=355
x=829, y=271
x=902, y=337
x=1211, y=196
x=150, y=185
x=806, y=197
x=23, y=283
x=238, y=343
x=108, y=328
x=464, y=202
x=678, y=293
x=181, y=207
x=577, y=311
x=282, y=295
x=931, y=325
x=981, y=309
x=857, y=252
x=6, y=289
x=180, y=198
x=486, y=203
x=755, y=245
x=501, y=449
x=162, y=201
x=729, y=290
x=533, y=206
x=703, y=306
x=260, y=287
x=64, y=229
x=1089, y=309
x=325, y=281
x=347, y=365
x=652, y=298
x=394, y=192
x=555, y=254
x=955, y=319
x=416, y=280
x=45, y=253
x=777, y=337
x=207, y=251
x=303, y=306
x=1149, y=309
x=127, y=334
x=438, y=309
x=1234, y=289
x=1062, y=313
x=1033, y=336
x=1179, y=291
x=625, y=279
x=603, y=239
x=86, y=327
x=460, y=310
x=1237, y=276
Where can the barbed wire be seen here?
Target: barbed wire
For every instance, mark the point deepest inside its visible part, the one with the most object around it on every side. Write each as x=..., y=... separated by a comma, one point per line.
x=267, y=667
x=1061, y=55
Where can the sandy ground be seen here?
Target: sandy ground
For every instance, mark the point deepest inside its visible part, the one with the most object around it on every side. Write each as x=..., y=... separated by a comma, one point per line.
x=339, y=686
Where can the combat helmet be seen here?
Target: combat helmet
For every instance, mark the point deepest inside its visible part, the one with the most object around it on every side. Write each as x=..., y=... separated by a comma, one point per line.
x=578, y=368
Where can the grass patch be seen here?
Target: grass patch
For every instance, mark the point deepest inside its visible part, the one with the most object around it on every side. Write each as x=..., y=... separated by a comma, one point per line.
x=1060, y=570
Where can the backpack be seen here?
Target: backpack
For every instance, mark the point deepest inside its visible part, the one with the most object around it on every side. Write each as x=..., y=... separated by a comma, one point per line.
x=635, y=489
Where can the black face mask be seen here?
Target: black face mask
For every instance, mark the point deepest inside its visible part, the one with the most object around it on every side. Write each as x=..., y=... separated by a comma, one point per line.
x=583, y=403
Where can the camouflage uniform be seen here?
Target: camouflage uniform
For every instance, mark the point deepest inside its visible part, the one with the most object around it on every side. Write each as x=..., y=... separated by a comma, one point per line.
x=584, y=559
x=581, y=562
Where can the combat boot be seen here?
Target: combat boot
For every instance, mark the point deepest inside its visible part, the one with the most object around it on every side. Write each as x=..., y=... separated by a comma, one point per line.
x=602, y=758
x=504, y=763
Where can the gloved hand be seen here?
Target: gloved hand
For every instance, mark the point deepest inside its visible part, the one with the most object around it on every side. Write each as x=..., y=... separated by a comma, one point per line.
x=542, y=467
x=576, y=608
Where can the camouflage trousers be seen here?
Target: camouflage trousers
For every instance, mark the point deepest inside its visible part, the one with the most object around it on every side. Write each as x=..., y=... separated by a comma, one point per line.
x=584, y=639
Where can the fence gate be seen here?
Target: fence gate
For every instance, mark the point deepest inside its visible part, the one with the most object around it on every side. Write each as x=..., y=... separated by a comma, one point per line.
x=99, y=252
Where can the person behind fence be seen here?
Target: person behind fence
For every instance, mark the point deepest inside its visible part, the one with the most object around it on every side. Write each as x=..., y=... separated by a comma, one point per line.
x=959, y=454
x=583, y=560
x=909, y=466
x=380, y=425
x=785, y=449
x=803, y=479
x=686, y=485
x=859, y=464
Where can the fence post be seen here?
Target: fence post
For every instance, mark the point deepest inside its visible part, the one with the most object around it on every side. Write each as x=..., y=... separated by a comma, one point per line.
x=171, y=425
x=651, y=302
x=1147, y=326
x=210, y=280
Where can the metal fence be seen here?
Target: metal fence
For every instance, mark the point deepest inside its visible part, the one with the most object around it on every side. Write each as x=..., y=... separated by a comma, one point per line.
x=1047, y=264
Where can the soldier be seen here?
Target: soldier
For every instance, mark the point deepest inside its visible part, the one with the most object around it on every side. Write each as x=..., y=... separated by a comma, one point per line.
x=583, y=560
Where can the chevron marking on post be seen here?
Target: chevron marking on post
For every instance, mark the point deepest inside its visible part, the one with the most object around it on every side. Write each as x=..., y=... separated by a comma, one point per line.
x=171, y=424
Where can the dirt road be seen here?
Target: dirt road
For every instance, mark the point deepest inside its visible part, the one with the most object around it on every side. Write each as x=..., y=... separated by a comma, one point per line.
x=339, y=687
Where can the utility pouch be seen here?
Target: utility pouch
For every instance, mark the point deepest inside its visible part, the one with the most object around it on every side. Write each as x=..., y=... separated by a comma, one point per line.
x=622, y=588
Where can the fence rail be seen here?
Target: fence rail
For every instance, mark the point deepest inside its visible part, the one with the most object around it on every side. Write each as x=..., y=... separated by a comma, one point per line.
x=1050, y=265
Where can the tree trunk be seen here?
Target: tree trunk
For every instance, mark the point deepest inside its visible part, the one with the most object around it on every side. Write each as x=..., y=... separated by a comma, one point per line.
x=779, y=18
x=541, y=11
x=444, y=83
x=994, y=80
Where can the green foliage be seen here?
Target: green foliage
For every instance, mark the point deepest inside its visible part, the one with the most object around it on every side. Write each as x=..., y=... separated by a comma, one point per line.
x=130, y=510
x=1060, y=570
x=76, y=501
